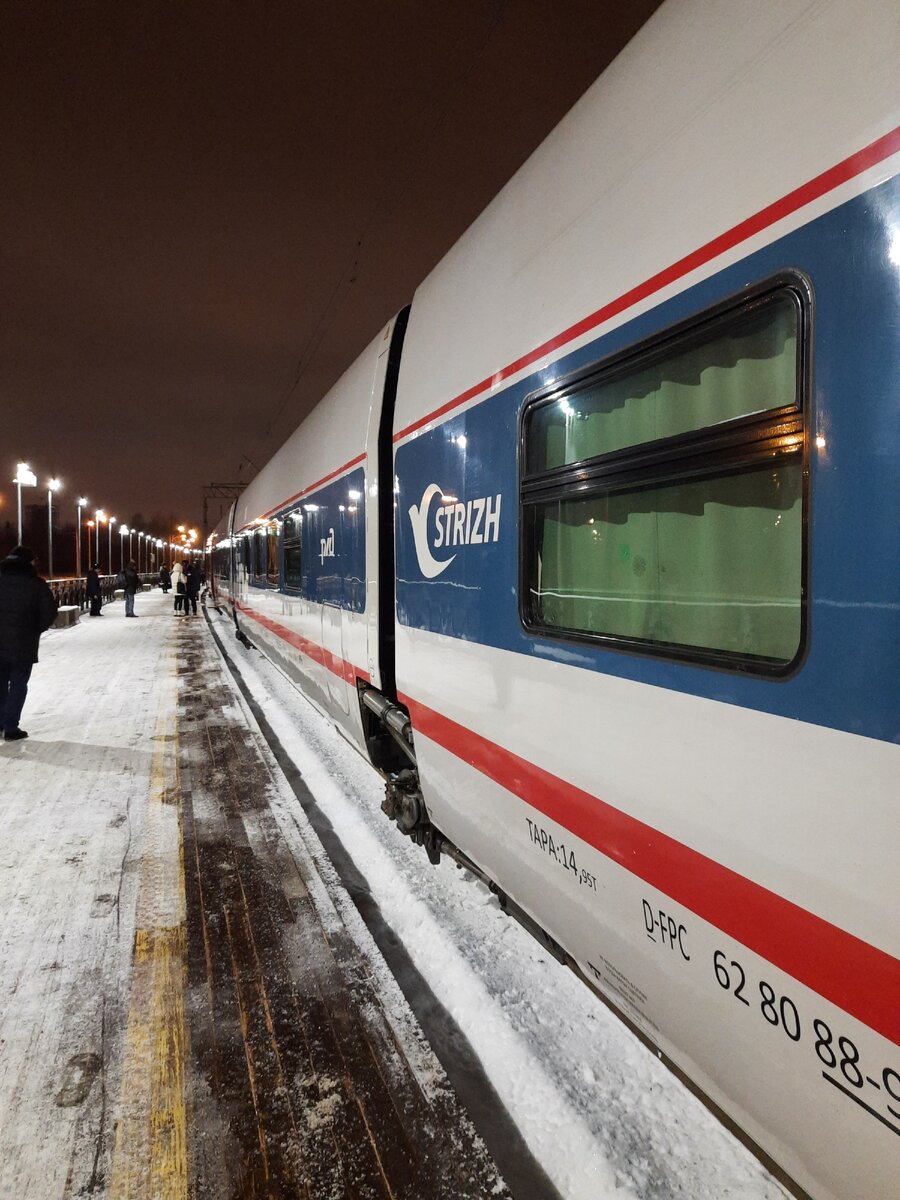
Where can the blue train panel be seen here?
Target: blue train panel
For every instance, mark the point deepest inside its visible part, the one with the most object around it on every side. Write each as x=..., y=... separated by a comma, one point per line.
x=321, y=553
x=457, y=514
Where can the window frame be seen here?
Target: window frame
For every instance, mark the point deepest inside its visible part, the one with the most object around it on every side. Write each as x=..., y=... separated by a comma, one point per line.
x=294, y=542
x=714, y=451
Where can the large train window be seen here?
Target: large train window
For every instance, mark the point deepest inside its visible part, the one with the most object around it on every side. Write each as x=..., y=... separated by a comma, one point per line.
x=264, y=556
x=293, y=557
x=258, y=557
x=663, y=491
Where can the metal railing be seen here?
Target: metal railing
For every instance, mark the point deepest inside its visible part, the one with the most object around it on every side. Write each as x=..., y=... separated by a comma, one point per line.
x=74, y=590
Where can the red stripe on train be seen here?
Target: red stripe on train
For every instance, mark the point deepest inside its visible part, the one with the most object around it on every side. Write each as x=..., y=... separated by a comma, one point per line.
x=861, y=979
x=331, y=662
x=855, y=165
x=857, y=977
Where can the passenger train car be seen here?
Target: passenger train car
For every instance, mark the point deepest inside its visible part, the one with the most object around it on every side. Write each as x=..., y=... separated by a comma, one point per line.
x=593, y=552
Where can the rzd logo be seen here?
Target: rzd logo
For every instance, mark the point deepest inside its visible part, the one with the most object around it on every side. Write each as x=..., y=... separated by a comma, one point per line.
x=470, y=524
x=326, y=546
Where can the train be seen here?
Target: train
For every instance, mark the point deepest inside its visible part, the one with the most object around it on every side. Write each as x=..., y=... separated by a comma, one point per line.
x=592, y=553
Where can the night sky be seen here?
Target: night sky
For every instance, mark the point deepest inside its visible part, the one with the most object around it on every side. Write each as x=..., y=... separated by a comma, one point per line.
x=208, y=210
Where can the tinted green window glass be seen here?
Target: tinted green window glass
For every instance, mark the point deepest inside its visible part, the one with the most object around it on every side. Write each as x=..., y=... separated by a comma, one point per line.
x=712, y=563
x=272, y=576
x=260, y=557
x=293, y=571
x=733, y=367
x=293, y=527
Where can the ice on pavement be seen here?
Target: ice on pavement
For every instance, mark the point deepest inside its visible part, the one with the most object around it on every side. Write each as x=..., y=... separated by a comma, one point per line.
x=603, y=1117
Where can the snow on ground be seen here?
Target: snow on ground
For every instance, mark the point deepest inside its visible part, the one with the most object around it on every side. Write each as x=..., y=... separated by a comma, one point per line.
x=599, y=1112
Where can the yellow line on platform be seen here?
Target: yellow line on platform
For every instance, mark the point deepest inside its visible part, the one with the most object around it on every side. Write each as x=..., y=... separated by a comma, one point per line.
x=150, y=1154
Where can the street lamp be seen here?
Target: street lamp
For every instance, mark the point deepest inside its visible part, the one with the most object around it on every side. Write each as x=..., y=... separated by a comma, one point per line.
x=82, y=503
x=25, y=477
x=99, y=516
x=112, y=521
x=90, y=526
x=140, y=543
x=53, y=485
x=123, y=529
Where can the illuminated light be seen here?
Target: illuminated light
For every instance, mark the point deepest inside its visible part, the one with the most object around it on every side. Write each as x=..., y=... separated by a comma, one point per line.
x=83, y=502
x=123, y=529
x=181, y=529
x=352, y=508
x=462, y=441
x=54, y=485
x=820, y=442
x=113, y=520
x=25, y=477
x=341, y=508
x=567, y=408
x=448, y=499
x=311, y=507
x=351, y=495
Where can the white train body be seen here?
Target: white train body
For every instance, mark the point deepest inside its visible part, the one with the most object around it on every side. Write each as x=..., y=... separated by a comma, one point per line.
x=690, y=783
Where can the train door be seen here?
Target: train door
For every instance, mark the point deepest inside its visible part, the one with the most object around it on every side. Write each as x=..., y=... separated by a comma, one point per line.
x=380, y=511
x=333, y=647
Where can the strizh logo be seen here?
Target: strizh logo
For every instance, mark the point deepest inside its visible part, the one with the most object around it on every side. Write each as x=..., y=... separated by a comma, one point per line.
x=457, y=524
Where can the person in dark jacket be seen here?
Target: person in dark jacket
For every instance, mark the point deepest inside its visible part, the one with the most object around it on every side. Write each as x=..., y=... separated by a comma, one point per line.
x=93, y=590
x=165, y=579
x=27, y=608
x=192, y=581
x=132, y=585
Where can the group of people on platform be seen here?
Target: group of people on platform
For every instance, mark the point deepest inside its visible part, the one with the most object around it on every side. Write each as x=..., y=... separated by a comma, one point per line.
x=186, y=580
x=28, y=608
x=127, y=579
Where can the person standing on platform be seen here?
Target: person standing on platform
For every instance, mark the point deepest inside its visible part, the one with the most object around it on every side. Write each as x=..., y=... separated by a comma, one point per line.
x=93, y=590
x=27, y=608
x=178, y=586
x=193, y=581
x=165, y=579
x=132, y=584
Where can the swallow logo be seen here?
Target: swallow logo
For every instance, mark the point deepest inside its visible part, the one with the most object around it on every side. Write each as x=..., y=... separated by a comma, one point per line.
x=456, y=524
x=430, y=566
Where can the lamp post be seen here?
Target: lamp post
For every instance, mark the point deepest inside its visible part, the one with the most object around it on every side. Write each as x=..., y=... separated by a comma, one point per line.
x=123, y=529
x=99, y=516
x=90, y=526
x=82, y=503
x=112, y=521
x=25, y=477
x=140, y=545
x=53, y=485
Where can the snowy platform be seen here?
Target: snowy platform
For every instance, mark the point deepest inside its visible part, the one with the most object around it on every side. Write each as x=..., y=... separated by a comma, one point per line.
x=185, y=1007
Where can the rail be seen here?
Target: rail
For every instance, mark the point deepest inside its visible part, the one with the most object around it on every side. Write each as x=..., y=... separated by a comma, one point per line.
x=74, y=590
